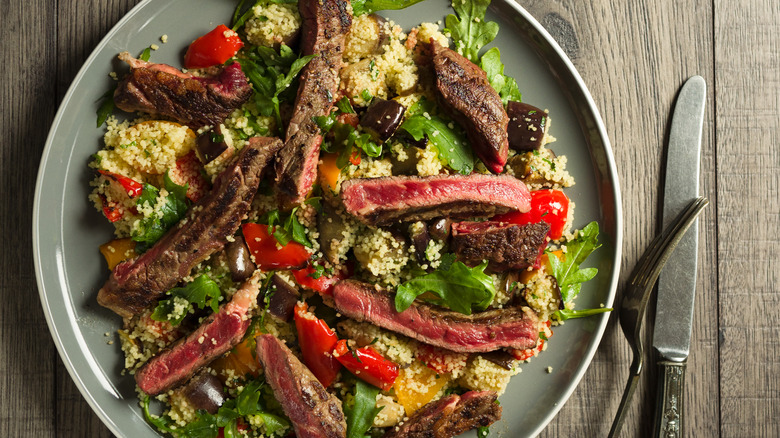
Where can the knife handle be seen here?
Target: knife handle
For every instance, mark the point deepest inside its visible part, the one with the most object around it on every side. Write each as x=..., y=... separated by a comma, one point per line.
x=669, y=407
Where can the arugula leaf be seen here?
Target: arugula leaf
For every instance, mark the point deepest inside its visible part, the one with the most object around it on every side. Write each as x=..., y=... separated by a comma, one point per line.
x=162, y=423
x=504, y=85
x=451, y=146
x=106, y=106
x=468, y=29
x=285, y=228
x=360, y=416
x=344, y=106
x=459, y=287
x=201, y=292
x=361, y=7
x=563, y=315
x=567, y=272
x=162, y=219
x=239, y=18
x=273, y=423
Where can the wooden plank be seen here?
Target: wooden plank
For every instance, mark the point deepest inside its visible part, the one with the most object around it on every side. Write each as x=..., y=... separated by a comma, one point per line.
x=748, y=132
x=27, y=98
x=633, y=57
x=81, y=25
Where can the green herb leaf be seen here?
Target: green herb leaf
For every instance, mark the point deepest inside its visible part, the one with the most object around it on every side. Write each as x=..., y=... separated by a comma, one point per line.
x=450, y=144
x=344, y=106
x=273, y=423
x=360, y=416
x=202, y=292
x=567, y=272
x=483, y=431
x=504, y=85
x=460, y=288
x=146, y=54
x=173, y=208
x=286, y=227
x=163, y=423
x=468, y=29
x=361, y=7
x=563, y=315
x=106, y=106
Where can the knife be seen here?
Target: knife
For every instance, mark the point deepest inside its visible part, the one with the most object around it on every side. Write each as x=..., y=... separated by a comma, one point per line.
x=677, y=282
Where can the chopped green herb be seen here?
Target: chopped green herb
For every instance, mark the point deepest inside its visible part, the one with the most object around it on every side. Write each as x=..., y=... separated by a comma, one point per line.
x=174, y=207
x=344, y=106
x=106, y=106
x=202, y=292
x=361, y=7
x=458, y=287
x=450, y=144
x=360, y=415
x=286, y=227
x=366, y=95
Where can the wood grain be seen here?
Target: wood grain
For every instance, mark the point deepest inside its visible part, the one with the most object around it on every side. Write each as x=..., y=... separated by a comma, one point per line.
x=748, y=132
x=633, y=56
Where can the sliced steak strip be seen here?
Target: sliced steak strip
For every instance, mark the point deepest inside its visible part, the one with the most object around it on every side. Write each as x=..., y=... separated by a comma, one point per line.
x=450, y=416
x=219, y=333
x=325, y=26
x=313, y=411
x=382, y=201
x=193, y=101
x=467, y=96
x=505, y=246
x=477, y=333
x=136, y=284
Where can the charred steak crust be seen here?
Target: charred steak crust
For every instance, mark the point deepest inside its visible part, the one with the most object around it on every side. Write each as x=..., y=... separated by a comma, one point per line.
x=313, y=411
x=136, y=284
x=450, y=416
x=385, y=200
x=219, y=333
x=193, y=101
x=505, y=246
x=510, y=327
x=325, y=26
x=468, y=97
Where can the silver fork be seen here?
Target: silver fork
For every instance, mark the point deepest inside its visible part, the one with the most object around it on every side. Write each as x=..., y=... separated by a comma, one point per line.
x=637, y=294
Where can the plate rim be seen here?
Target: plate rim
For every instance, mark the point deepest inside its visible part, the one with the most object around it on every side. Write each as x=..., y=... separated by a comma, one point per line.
x=547, y=39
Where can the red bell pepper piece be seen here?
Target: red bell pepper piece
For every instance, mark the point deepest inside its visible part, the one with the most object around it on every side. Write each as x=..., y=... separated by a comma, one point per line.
x=268, y=254
x=188, y=170
x=132, y=187
x=323, y=284
x=317, y=341
x=551, y=206
x=111, y=210
x=367, y=365
x=214, y=48
x=530, y=352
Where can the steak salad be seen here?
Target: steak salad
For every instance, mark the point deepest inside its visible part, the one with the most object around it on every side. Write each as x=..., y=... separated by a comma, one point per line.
x=329, y=226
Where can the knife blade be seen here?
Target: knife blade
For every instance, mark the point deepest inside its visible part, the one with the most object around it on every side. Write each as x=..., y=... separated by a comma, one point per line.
x=677, y=282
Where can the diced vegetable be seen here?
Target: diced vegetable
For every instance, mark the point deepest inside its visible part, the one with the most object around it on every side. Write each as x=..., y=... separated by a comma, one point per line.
x=117, y=251
x=317, y=342
x=367, y=365
x=132, y=187
x=551, y=206
x=214, y=48
x=410, y=380
x=111, y=209
x=329, y=171
x=241, y=361
x=440, y=360
x=268, y=253
x=314, y=277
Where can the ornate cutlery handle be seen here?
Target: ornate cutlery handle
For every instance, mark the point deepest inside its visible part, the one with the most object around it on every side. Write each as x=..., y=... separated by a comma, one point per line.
x=669, y=407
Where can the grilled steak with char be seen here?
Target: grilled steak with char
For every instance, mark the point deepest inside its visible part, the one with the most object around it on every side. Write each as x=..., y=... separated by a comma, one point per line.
x=325, y=26
x=193, y=101
x=313, y=411
x=219, y=333
x=480, y=332
x=505, y=246
x=450, y=416
x=136, y=284
x=382, y=201
x=467, y=96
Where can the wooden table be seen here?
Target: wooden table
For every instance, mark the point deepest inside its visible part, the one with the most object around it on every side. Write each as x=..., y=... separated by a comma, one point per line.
x=633, y=55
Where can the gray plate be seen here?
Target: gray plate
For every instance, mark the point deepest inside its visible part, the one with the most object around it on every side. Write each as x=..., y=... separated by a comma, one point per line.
x=67, y=231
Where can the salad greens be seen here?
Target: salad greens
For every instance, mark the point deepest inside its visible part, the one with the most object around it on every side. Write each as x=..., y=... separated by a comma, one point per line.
x=567, y=272
x=362, y=7
x=563, y=315
x=286, y=227
x=450, y=143
x=468, y=29
x=248, y=402
x=504, y=85
x=173, y=208
x=202, y=292
x=360, y=415
x=456, y=285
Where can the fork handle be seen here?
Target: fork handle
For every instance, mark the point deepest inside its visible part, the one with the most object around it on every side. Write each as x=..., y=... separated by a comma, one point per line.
x=669, y=407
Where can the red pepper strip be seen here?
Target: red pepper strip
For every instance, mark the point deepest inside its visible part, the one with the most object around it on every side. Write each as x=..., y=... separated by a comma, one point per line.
x=551, y=206
x=132, y=187
x=111, y=210
x=268, y=254
x=323, y=284
x=355, y=158
x=317, y=341
x=214, y=48
x=367, y=364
